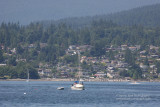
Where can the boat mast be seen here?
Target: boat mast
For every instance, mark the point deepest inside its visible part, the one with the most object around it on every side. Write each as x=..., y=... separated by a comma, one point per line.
x=28, y=75
x=79, y=65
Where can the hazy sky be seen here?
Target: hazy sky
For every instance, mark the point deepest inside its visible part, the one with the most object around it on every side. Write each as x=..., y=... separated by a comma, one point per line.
x=26, y=11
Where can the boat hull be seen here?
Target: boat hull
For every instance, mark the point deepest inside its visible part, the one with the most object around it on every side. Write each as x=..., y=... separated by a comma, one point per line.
x=77, y=87
x=60, y=88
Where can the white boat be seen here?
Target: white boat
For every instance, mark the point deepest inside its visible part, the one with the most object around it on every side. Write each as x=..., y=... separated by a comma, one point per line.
x=134, y=82
x=78, y=85
x=60, y=88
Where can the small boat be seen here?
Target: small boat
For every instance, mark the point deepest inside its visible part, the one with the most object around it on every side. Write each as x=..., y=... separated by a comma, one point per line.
x=60, y=88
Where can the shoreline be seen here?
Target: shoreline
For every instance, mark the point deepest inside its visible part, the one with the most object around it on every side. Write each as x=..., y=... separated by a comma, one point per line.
x=87, y=80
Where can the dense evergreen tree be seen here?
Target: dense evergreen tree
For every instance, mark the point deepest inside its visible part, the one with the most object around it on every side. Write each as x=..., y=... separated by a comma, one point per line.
x=19, y=49
x=98, y=49
x=146, y=61
x=1, y=56
x=12, y=61
x=158, y=66
x=129, y=57
x=111, y=55
x=134, y=72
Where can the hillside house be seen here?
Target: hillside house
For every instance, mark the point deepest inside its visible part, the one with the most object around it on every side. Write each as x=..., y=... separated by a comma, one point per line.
x=100, y=75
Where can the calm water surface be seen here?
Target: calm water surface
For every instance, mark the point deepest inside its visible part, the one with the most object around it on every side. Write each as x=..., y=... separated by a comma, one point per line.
x=97, y=94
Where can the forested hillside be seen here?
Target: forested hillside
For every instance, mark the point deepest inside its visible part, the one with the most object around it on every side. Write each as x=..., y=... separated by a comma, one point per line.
x=35, y=44
x=58, y=38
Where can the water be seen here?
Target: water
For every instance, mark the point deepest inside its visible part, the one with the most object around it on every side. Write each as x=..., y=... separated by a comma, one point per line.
x=97, y=94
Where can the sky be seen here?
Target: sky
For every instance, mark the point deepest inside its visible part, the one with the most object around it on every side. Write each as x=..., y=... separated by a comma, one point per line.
x=26, y=11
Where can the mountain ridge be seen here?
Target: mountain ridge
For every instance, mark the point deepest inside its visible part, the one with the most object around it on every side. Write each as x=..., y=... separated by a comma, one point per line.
x=146, y=16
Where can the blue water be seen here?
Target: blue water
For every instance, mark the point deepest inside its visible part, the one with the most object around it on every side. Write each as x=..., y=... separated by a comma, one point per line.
x=97, y=94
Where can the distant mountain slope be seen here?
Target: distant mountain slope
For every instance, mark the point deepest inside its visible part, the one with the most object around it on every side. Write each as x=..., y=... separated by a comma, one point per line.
x=147, y=16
